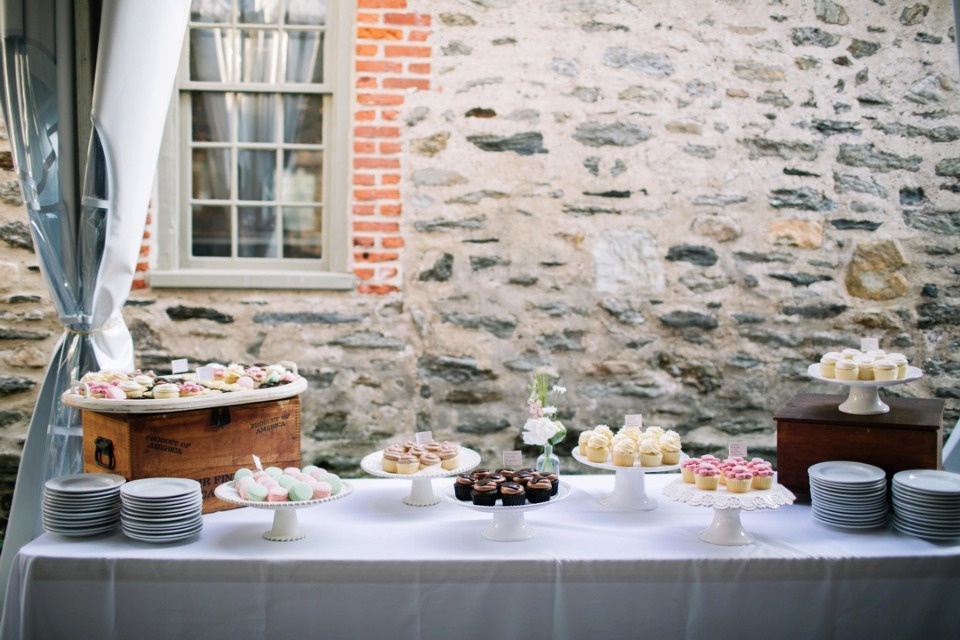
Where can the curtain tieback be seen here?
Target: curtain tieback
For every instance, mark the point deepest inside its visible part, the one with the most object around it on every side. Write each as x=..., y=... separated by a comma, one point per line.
x=117, y=319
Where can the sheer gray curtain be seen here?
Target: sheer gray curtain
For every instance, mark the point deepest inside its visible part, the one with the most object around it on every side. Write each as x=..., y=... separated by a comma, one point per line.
x=87, y=241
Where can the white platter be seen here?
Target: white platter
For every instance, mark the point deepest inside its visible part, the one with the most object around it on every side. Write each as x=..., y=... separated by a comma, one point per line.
x=149, y=405
x=509, y=524
x=629, y=486
x=88, y=484
x=864, y=398
x=285, y=525
x=421, y=489
x=929, y=481
x=840, y=473
x=160, y=489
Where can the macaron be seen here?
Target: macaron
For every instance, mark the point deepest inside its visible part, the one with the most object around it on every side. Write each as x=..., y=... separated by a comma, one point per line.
x=256, y=492
x=287, y=481
x=300, y=491
x=277, y=494
x=335, y=483
x=242, y=473
x=320, y=489
x=274, y=472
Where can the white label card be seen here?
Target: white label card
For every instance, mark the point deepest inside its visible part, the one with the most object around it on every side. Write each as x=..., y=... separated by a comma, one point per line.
x=180, y=366
x=513, y=459
x=633, y=420
x=204, y=373
x=869, y=344
x=738, y=449
x=423, y=437
x=257, y=464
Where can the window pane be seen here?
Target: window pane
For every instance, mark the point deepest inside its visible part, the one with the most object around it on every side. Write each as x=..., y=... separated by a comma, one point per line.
x=211, y=174
x=210, y=11
x=259, y=11
x=303, y=119
x=257, y=236
x=304, y=56
x=210, y=231
x=257, y=122
x=211, y=55
x=259, y=54
x=302, y=176
x=312, y=12
x=302, y=227
x=211, y=117
x=255, y=178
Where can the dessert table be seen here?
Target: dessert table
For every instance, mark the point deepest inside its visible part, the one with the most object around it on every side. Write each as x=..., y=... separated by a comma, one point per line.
x=371, y=566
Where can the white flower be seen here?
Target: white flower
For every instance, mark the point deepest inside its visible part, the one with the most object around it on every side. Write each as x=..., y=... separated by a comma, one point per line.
x=559, y=390
x=549, y=411
x=539, y=431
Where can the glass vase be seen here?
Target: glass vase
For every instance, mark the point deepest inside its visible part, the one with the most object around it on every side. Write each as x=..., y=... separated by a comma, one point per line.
x=548, y=462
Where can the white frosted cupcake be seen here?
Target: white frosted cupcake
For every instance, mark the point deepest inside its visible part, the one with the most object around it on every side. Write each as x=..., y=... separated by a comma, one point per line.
x=582, y=442
x=650, y=453
x=670, y=447
x=624, y=452
x=864, y=367
x=828, y=364
x=850, y=354
x=884, y=370
x=598, y=447
x=847, y=370
x=901, y=361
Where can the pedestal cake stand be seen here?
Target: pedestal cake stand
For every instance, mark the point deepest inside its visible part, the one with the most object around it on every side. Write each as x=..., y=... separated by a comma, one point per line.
x=285, y=525
x=864, y=397
x=629, y=484
x=726, y=529
x=421, y=489
x=509, y=523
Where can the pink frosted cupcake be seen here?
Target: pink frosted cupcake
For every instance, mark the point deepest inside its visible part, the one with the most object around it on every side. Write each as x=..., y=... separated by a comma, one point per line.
x=739, y=479
x=707, y=477
x=687, y=469
x=762, y=478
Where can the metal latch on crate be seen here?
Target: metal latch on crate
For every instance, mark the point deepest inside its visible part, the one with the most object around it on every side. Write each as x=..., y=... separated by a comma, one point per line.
x=220, y=417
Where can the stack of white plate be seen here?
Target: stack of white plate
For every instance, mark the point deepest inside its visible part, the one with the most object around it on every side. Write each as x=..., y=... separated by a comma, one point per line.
x=926, y=503
x=82, y=504
x=161, y=509
x=851, y=495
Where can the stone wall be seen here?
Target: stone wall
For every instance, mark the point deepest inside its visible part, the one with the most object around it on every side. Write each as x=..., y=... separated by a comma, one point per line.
x=674, y=207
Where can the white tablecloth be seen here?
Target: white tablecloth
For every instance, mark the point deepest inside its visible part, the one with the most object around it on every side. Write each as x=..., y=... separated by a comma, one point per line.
x=373, y=567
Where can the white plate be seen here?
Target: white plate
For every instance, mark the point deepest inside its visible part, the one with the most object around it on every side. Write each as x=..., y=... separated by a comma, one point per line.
x=852, y=525
x=851, y=518
x=921, y=532
x=928, y=522
x=164, y=530
x=842, y=508
x=159, y=488
x=164, y=538
x=84, y=483
x=929, y=481
x=183, y=502
x=913, y=373
x=228, y=493
x=843, y=473
x=81, y=533
x=562, y=492
x=373, y=464
x=609, y=466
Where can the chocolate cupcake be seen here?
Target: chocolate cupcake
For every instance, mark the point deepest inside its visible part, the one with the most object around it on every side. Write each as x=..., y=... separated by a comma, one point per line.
x=484, y=493
x=480, y=474
x=522, y=477
x=499, y=479
x=506, y=473
x=512, y=494
x=554, y=483
x=538, y=490
x=462, y=486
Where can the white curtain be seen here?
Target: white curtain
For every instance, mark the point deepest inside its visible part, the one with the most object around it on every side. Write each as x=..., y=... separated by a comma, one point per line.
x=87, y=241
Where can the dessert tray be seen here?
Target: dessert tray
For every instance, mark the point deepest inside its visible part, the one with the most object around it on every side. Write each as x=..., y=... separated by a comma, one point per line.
x=864, y=396
x=509, y=523
x=75, y=398
x=629, y=486
x=726, y=528
x=285, y=525
x=421, y=489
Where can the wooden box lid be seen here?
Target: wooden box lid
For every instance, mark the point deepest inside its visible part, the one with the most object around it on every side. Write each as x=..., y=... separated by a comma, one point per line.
x=822, y=408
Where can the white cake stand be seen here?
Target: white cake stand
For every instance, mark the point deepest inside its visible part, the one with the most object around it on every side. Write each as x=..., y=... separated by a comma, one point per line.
x=629, y=484
x=864, y=397
x=726, y=529
x=509, y=523
x=421, y=489
x=285, y=525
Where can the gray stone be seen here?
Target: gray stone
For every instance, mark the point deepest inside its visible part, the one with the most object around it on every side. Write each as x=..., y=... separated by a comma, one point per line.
x=863, y=48
x=823, y=311
x=763, y=148
x=700, y=88
x=639, y=343
x=628, y=260
x=499, y=327
x=480, y=112
x=623, y=312
x=703, y=375
x=475, y=197
x=776, y=98
x=629, y=389
x=613, y=193
x=587, y=94
x=912, y=196
x=592, y=165
x=610, y=134
x=529, y=361
x=743, y=361
x=834, y=127
x=949, y=167
x=305, y=317
x=16, y=234
x=437, y=178
x=10, y=385
x=472, y=396
x=801, y=36
x=719, y=200
x=757, y=257
x=699, y=282
x=431, y=145
x=564, y=67
x=843, y=183
x=457, y=20
x=695, y=254
x=699, y=151
x=9, y=418
x=453, y=369
x=524, y=144
x=10, y=193
x=640, y=62
x=559, y=310
x=619, y=167
x=639, y=93
x=590, y=210
x=804, y=198
x=144, y=336
x=930, y=290
x=936, y=134
x=480, y=82
x=23, y=298
x=801, y=279
x=930, y=89
x=756, y=72
x=791, y=171
x=872, y=100
x=331, y=423
x=866, y=155
x=369, y=340
x=688, y=319
x=456, y=48
x=567, y=340
x=831, y=12
x=17, y=334
x=181, y=312
x=523, y=281
x=845, y=224
x=805, y=63
x=914, y=14
x=602, y=27
x=483, y=426
x=479, y=263
x=930, y=314
x=944, y=223
x=748, y=318
x=952, y=393
x=416, y=116
x=928, y=38
x=441, y=271
x=773, y=339
x=443, y=224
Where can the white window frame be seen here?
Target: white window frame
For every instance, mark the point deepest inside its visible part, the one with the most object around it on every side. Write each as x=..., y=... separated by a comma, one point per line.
x=174, y=265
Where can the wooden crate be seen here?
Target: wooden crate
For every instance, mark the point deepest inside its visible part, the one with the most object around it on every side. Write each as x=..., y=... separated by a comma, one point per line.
x=811, y=429
x=207, y=445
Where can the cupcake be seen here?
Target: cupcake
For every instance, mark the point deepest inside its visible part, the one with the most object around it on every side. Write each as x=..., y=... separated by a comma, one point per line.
x=849, y=354
x=707, y=477
x=847, y=370
x=166, y=391
x=828, y=364
x=582, y=442
x=407, y=464
x=739, y=479
x=670, y=447
x=479, y=474
x=865, y=367
x=884, y=369
x=506, y=473
x=484, y=493
x=762, y=478
x=687, y=468
x=462, y=486
x=624, y=452
x=901, y=361
x=554, y=483
x=598, y=448
x=650, y=454
x=449, y=456
x=538, y=490
x=390, y=457
x=497, y=479
x=131, y=389
x=513, y=494
x=430, y=462
x=523, y=476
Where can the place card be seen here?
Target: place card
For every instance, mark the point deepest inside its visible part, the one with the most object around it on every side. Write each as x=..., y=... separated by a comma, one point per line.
x=633, y=420
x=423, y=437
x=181, y=365
x=737, y=449
x=204, y=373
x=513, y=459
x=257, y=463
x=869, y=344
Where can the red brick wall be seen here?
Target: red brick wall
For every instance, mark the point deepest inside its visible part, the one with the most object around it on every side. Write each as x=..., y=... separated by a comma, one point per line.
x=392, y=59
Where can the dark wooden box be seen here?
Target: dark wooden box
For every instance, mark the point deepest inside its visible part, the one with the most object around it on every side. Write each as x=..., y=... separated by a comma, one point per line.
x=811, y=429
